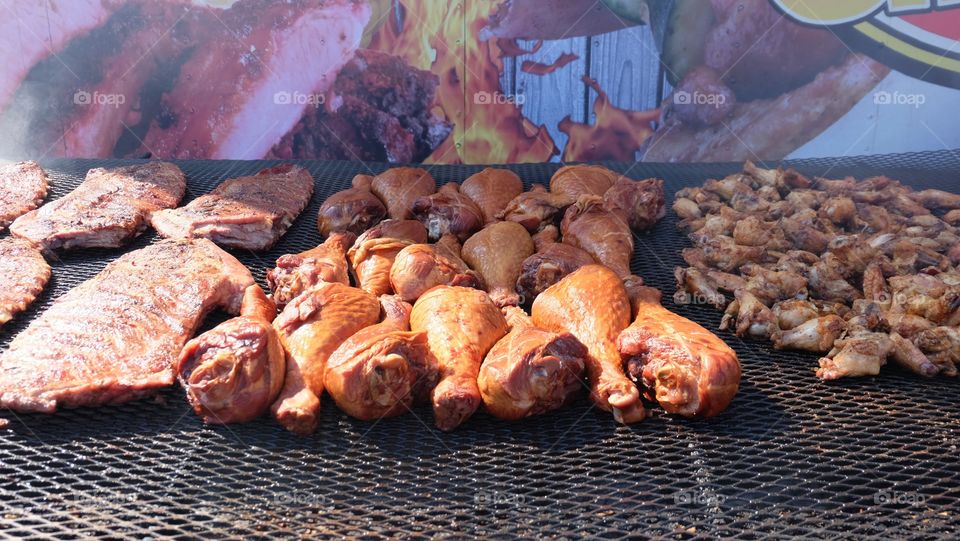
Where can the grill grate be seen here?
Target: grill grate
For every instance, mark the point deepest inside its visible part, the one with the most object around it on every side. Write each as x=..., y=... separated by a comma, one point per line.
x=792, y=456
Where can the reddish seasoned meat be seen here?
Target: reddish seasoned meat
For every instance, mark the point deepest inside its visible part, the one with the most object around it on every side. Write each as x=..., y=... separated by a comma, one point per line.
x=272, y=60
x=375, y=251
x=234, y=372
x=245, y=212
x=296, y=273
x=642, y=202
x=448, y=212
x=549, y=266
x=577, y=180
x=603, y=234
x=22, y=188
x=110, y=208
x=400, y=187
x=23, y=273
x=536, y=208
x=353, y=210
x=116, y=337
x=492, y=189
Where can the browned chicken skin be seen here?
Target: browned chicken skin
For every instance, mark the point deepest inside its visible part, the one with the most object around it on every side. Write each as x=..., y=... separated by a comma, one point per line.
x=641, y=201
x=536, y=208
x=492, y=189
x=462, y=324
x=448, y=212
x=603, y=234
x=374, y=252
x=421, y=267
x=547, y=267
x=592, y=305
x=383, y=369
x=399, y=187
x=577, y=180
x=497, y=253
x=311, y=327
x=353, y=210
x=687, y=369
x=296, y=273
x=530, y=371
x=234, y=372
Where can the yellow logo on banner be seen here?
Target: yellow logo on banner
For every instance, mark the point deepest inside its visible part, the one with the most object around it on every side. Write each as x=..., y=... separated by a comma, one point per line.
x=832, y=12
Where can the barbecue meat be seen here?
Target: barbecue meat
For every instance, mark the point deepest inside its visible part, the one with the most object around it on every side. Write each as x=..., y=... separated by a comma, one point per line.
x=462, y=324
x=23, y=272
x=603, y=234
x=536, y=208
x=245, y=212
x=497, y=253
x=592, y=305
x=353, y=210
x=374, y=252
x=116, y=337
x=641, y=201
x=400, y=187
x=448, y=212
x=296, y=273
x=382, y=370
x=272, y=60
x=492, y=189
x=311, y=328
x=420, y=267
x=530, y=371
x=22, y=188
x=549, y=266
x=234, y=372
x=576, y=180
x=108, y=209
x=687, y=369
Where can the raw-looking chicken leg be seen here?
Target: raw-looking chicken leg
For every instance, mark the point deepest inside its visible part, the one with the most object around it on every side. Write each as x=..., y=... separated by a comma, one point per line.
x=536, y=208
x=420, y=267
x=577, y=180
x=530, y=371
x=355, y=209
x=383, y=369
x=603, y=234
x=462, y=324
x=592, y=304
x=492, y=189
x=372, y=255
x=296, y=273
x=234, y=372
x=448, y=212
x=687, y=369
x=497, y=253
x=399, y=187
x=311, y=328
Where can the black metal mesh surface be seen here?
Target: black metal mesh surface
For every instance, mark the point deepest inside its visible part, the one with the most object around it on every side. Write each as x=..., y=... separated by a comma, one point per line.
x=792, y=456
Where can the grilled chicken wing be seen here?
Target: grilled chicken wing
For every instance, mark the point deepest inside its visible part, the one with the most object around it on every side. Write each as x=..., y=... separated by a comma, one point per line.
x=530, y=371
x=492, y=189
x=234, y=372
x=694, y=287
x=296, y=273
x=420, y=267
x=813, y=335
x=592, y=305
x=311, y=327
x=497, y=253
x=687, y=369
x=549, y=266
x=382, y=370
x=536, y=208
x=353, y=210
x=603, y=234
x=577, y=180
x=399, y=187
x=462, y=324
x=641, y=201
x=448, y=212
x=374, y=252
x=749, y=317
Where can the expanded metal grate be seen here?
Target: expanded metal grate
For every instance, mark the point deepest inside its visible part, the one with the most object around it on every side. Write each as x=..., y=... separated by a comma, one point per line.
x=792, y=456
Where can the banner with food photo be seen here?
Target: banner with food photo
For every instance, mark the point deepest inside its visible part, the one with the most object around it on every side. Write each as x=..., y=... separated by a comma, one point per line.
x=478, y=81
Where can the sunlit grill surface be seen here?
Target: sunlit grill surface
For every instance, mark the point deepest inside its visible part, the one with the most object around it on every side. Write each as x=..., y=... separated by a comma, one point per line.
x=792, y=456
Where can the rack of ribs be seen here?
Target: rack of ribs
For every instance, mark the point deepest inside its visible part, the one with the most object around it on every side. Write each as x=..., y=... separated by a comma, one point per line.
x=245, y=212
x=108, y=209
x=22, y=188
x=115, y=337
x=23, y=272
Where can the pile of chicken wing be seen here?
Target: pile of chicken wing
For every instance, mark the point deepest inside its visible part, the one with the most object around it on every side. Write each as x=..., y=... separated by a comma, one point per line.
x=861, y=271
x=418, y=294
